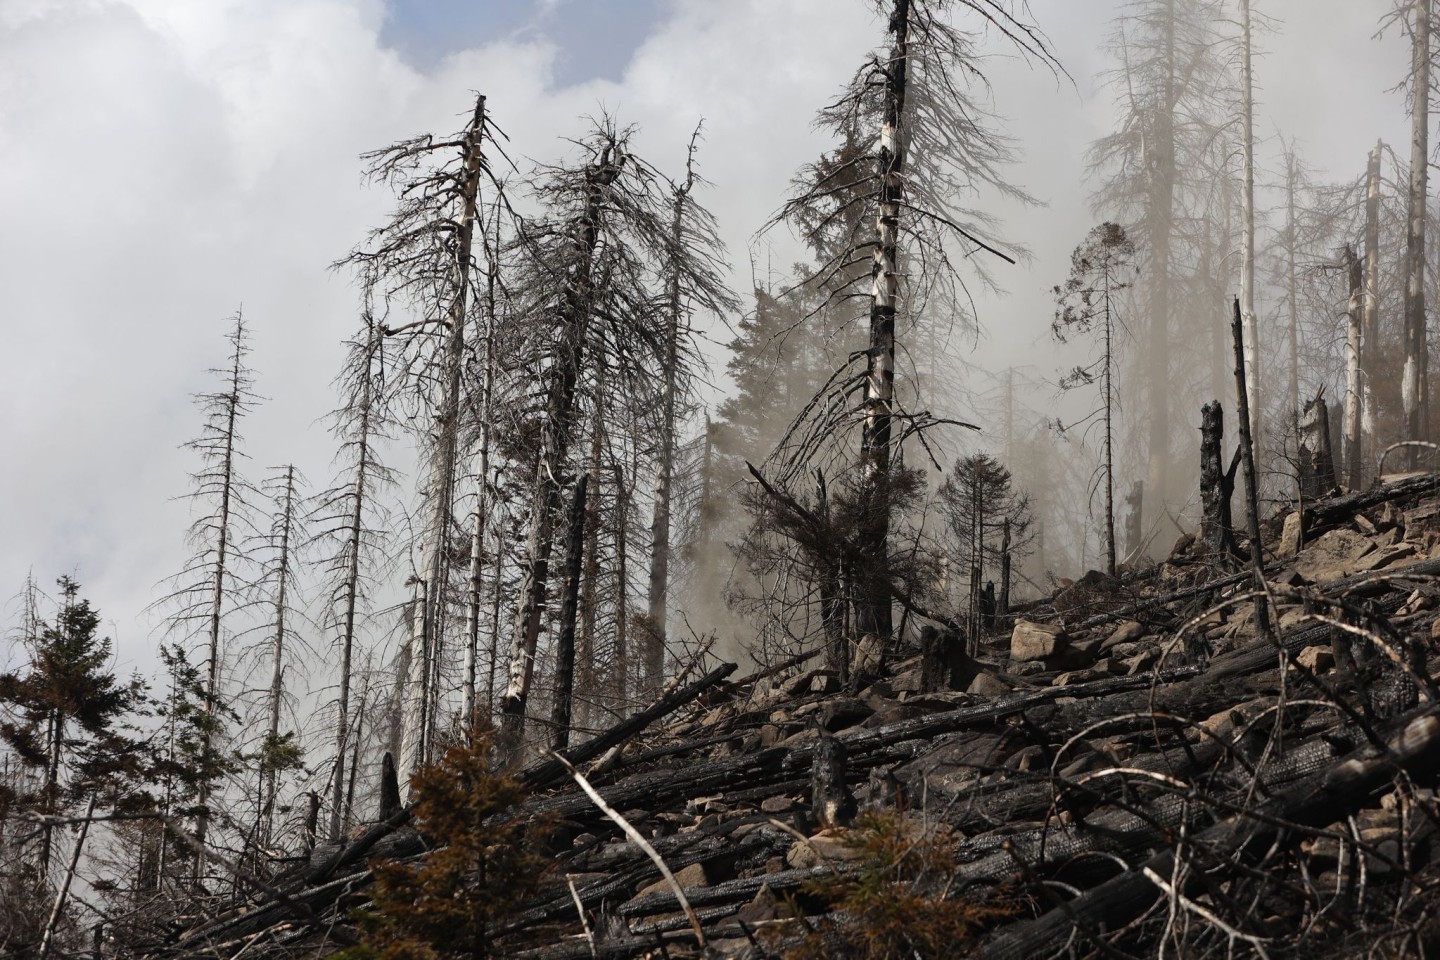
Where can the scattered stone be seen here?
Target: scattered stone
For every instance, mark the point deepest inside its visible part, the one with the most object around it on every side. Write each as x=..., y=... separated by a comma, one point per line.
x=1128, y=632
x=823, y=847
x=687, y=877
x=1036, y=641
x=1316, y=659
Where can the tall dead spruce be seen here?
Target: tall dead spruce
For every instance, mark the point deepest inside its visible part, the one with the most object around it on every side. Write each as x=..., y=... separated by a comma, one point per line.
x=423, y=258
x=896, y=204
x=214, y=578
x=587, y=306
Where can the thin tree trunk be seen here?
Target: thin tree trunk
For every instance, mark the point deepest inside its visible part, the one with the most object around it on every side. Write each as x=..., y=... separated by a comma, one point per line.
x=1247, y=460
x=277, y=657
x=1002, y=609
x=619, y=688
x=1160, y=167
x=1109, y=436
x=1292, y=175
x=1414, y=386
x=482, y=501
x=561, y=709
x=1247, y=240
x=221, y=571
x=440, y=495
x=655, y=640
x=832, y=615
x=1355, y=319
x=354, y=538
x=1369, y=334
x=874, y=608
x=585, y=678
x=64, y=891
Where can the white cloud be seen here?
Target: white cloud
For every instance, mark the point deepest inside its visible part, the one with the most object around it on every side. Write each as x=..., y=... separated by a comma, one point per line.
x=164, y=161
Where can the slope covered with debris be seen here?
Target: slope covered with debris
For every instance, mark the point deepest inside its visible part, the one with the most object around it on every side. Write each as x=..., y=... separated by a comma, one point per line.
x=1129, y=766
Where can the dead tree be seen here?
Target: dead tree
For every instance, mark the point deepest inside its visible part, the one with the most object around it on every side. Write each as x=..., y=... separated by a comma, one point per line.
x=1317, y=463
x=1217, y=485
x=693, y=242
x=929, y=149
x=286, y=539
x=586, y=266
x=424, y=255
x=350, y=516
x=1252, y=485
x=562, y=706
x=1354, y=327
x=1415, y=381
x=220, y=565
x=1370, y=326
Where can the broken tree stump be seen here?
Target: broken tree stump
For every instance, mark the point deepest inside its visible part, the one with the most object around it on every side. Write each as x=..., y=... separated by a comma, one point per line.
x=830, y=799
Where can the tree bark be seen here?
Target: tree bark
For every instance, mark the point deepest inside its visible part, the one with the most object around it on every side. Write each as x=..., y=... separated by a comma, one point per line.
x=1354, y=324
x=1414, y=386
x=562, y=707
x=832, y=610
x=655, y=640
x=439, y=496
x=1247, y=241
x=1215, y=491
x=277, y=656
x=555, y=430
x=1252, y=494
x=873, y=613
x=1160, y=171
x=1369, y=334
x=482, y=500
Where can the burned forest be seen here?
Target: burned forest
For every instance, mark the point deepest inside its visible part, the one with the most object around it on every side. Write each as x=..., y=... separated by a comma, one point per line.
x=884, y=479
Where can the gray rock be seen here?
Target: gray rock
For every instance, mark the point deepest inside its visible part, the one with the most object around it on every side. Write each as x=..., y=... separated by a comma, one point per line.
x=1036, y=641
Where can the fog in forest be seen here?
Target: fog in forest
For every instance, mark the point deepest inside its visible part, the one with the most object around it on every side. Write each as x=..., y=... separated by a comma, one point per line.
x=520, y=361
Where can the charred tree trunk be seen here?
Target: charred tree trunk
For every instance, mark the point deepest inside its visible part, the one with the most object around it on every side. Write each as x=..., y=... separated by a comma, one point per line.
x=1216, y=485
x=1003, y=607
x=1370, y=329
x=1252, y=493
x=439, y=499
x=830, y=799
x=1414, y=385
x=1317, y=463
x=1160, y=172
x=482, y=503
x=1292, y=290
x=277, y=657
x=555, y=433
x=1247, y=240
x=585, y=676
x=350, y=589
x=655, y=640
x=832, y=611
x=1354, y=323
x=873, y=613
x=561, y=712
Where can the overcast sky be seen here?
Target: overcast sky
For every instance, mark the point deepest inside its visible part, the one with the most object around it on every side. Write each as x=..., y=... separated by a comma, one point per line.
x=164, y=162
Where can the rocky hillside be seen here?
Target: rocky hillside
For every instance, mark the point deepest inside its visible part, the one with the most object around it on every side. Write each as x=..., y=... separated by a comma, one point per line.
x=1129, y=767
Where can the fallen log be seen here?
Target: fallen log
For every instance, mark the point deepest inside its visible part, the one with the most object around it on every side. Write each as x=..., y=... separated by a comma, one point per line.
x=1324, y=797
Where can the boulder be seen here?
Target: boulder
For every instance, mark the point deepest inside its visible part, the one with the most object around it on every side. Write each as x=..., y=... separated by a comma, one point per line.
x=1036, y=641
x=1334, y=555
x=1127, y=632
x=990, y=685
x=687, y=877
x=1290, y=536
